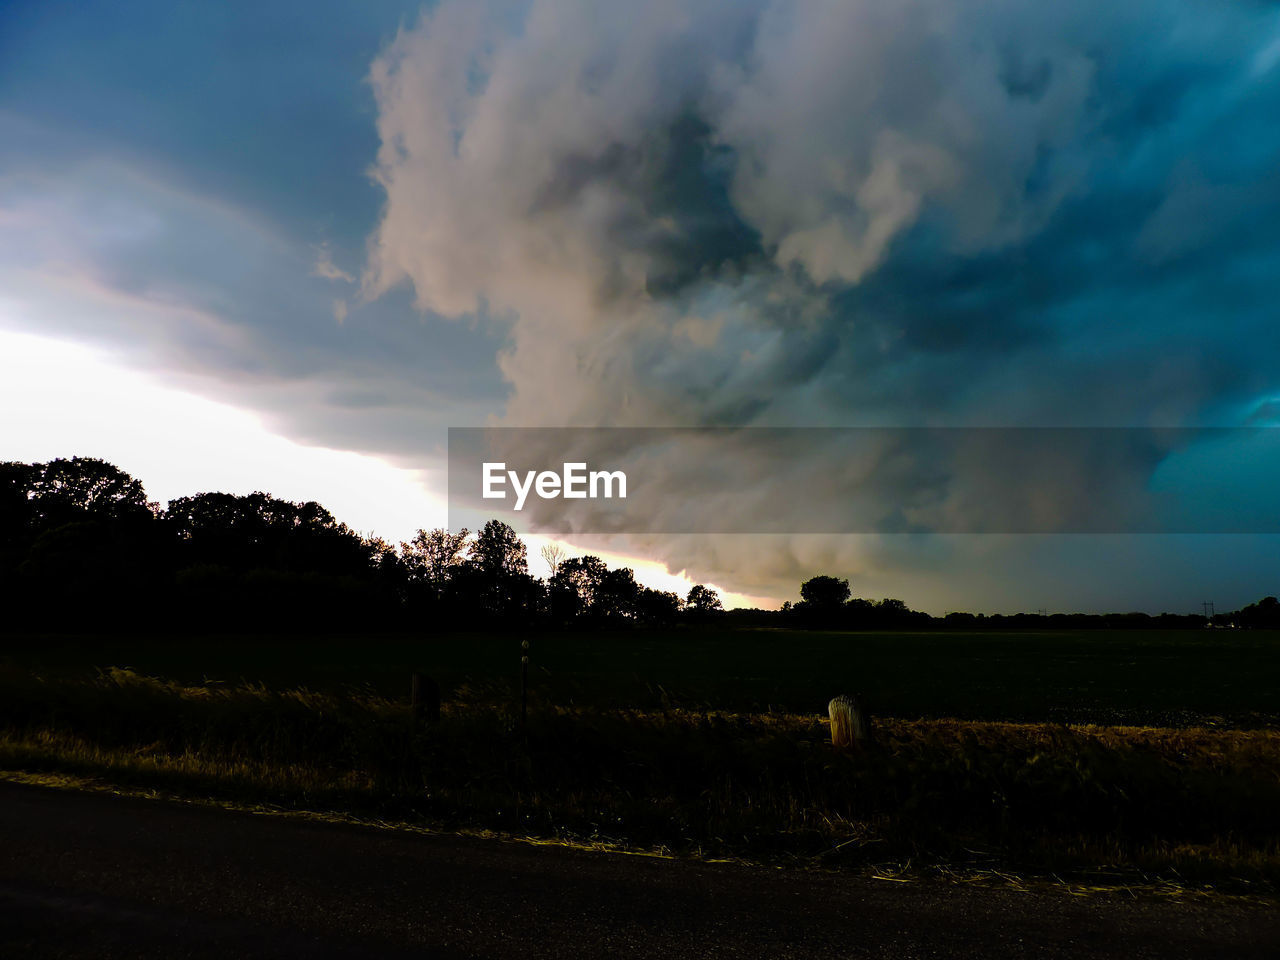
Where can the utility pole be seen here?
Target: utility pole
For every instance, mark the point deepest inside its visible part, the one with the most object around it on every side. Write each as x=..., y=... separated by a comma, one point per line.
x=1208, y=609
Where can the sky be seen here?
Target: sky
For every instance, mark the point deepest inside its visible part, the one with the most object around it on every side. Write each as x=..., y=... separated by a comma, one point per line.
x=286, y=246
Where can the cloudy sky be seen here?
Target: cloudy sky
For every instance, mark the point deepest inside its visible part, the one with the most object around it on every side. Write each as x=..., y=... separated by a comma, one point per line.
x=285, y=246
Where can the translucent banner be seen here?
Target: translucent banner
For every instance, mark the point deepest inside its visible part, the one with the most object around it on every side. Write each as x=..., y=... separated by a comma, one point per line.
x=867, y=480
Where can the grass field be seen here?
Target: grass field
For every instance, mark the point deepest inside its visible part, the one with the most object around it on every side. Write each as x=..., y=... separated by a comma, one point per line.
x=1119, y=755
x=1162, y=678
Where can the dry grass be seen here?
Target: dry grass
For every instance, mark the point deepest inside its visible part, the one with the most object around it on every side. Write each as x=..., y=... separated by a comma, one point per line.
x=1092, y=805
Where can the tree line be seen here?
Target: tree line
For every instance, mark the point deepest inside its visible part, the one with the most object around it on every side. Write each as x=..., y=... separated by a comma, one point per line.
x=826, y=602
x=81, y=548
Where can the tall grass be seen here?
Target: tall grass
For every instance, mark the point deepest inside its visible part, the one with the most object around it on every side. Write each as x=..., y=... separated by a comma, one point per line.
x=1199, y=805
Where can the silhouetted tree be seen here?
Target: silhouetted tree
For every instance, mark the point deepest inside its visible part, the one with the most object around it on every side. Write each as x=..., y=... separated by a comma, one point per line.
x=1263, y=615
x=78, y=545
x=575, y=589
x=702, y=600
x=17, y=512
x=495, y=581
x=389, y=568
x=498, y=551
x=892, y=613
x=657, y=608
x=616, y=596
x=824, y=593
x=258, y=562
x=431, y=556
x=259, y=531
x=84, y=488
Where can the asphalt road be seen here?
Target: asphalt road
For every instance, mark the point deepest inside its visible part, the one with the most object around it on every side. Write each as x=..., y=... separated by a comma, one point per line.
x=85, y=875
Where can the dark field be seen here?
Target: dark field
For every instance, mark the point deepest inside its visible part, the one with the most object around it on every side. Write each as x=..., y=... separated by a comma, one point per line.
x=1159, y=678
x=1104, y=758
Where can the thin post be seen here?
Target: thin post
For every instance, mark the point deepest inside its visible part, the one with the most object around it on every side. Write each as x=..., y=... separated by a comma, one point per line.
x=524, y=683
x=415, y=697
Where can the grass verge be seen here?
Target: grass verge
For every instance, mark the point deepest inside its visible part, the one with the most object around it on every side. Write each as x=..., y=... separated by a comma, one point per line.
x=1093, y=806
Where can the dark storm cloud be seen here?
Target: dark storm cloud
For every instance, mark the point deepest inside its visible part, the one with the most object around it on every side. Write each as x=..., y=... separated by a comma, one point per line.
x=262, y=105
x=217, y=299
x=728, y=213
x=920, y=213
x=896, y=254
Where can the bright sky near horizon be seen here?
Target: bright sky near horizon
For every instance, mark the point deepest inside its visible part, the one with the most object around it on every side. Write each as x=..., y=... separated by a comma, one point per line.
x=60, y=399
x=63, y=399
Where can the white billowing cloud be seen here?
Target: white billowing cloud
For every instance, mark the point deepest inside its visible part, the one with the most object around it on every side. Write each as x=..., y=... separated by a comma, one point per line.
x=532, y=168
x=849, y=116
x=503, y=193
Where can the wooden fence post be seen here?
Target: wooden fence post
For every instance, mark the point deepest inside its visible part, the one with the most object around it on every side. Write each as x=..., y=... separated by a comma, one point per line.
x=850, y=724
x=424, y=698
